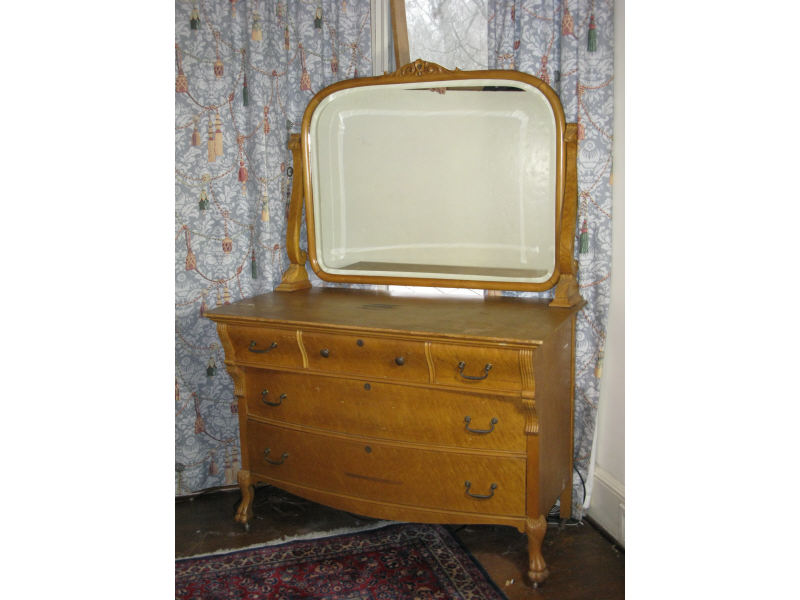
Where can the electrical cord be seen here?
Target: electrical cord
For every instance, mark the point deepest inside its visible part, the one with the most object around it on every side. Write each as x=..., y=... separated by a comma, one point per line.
x=554, y=515
x=583, y=483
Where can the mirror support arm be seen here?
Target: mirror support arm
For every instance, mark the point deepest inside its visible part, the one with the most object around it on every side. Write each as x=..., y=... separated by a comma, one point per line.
x=567, y=292
x=296, y=276
x=399, y=33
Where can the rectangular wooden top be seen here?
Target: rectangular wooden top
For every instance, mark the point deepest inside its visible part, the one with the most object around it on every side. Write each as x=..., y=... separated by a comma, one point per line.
x=501, y=319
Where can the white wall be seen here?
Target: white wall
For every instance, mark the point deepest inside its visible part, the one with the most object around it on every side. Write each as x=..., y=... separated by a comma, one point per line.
x=608, y=487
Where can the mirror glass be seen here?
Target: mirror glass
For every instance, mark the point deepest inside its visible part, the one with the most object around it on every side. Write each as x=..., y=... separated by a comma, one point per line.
x=418, y=180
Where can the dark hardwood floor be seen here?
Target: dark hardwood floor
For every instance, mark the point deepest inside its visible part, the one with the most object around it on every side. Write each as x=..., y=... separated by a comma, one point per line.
x=583, y=563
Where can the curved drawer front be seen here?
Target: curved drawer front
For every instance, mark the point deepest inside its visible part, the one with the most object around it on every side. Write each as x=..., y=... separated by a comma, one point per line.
x=384, y=472
x=477, y=367
x=266, y=346
x=386, y=410
x=362, y=355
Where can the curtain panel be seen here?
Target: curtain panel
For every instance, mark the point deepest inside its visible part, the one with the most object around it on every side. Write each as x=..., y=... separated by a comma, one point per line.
x=570, y=45
x=244, y=73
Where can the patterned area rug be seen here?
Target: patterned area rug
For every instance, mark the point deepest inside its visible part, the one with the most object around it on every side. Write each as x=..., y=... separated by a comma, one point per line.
x=392, y=563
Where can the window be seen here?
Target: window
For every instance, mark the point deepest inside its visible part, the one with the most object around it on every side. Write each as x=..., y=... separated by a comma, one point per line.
x=452, y=33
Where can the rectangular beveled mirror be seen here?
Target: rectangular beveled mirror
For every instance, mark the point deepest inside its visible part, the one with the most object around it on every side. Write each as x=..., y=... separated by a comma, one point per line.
x=436, y=177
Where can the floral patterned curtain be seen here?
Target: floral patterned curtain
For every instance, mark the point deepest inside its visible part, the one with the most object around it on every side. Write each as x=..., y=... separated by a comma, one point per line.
x=244, y=72
x=570, y=45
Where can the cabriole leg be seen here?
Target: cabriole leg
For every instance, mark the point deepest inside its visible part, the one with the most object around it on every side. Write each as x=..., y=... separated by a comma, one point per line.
x=537, y=569
x=245, y=510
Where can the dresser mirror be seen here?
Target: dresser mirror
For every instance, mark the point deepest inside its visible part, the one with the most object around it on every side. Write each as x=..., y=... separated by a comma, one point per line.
x=435, y=177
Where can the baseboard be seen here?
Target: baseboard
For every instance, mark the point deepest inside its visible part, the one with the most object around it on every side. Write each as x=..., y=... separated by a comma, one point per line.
x=207, y=491
x=608, y=504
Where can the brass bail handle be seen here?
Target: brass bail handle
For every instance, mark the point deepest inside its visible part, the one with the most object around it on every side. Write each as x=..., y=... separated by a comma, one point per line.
x=486, y=369
x=253, y=344
x=284, y=456
x=492, y=487
x=265, y=393
x=468, y=420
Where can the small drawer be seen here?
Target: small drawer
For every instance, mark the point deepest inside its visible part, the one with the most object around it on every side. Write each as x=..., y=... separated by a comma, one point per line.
x=386, y=410
x=363, y=355
x=476, y=367
x=388, y=473
x=266, y=346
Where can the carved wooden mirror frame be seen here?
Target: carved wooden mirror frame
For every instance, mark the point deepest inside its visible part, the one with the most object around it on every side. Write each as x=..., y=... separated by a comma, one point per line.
x=565, y=268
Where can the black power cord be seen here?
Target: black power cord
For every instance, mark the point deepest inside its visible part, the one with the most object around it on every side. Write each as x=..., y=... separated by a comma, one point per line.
x=554, y=516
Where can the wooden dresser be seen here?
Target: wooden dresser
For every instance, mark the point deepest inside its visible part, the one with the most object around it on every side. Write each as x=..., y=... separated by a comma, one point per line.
x=440, y=410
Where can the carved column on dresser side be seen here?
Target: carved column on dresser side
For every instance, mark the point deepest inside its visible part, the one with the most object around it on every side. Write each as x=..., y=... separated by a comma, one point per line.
x=535, y=521
x=528, y=391
x=245, y=509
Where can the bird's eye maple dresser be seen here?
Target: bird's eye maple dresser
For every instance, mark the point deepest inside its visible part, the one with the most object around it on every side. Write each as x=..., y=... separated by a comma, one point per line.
x=428, y=409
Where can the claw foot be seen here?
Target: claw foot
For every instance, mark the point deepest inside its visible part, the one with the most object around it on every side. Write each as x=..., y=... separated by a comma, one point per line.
x=537, y=569
x=245, y=510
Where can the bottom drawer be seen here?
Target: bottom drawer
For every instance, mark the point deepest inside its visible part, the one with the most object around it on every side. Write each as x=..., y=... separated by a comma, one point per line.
x=413, y=476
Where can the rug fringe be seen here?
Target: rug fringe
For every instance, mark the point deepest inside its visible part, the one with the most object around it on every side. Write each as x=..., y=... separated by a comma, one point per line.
x=314, y=535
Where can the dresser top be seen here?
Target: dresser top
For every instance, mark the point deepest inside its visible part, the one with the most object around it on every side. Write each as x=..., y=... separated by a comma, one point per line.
x=503, y=319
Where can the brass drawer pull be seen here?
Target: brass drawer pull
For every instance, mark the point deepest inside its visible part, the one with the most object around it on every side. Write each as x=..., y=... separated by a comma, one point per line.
x=325, y=353
x=265, y=393
x=252, y=347
x=486, y=370
x=400, y=361
x=493, y=487
x=284, y=456
x=467, y=420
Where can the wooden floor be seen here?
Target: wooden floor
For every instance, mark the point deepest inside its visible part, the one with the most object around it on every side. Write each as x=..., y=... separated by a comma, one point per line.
x=584, y=564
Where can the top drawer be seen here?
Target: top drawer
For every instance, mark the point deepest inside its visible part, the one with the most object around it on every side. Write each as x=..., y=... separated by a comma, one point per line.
x=363, y=355
x=266, y=346
x=477, y=367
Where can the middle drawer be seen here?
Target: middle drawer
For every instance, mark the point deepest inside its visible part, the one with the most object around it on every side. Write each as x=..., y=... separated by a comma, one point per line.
x=383, y=358
x=386, y=410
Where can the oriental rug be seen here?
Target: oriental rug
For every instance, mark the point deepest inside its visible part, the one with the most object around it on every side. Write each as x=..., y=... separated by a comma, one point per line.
x=395, y=562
